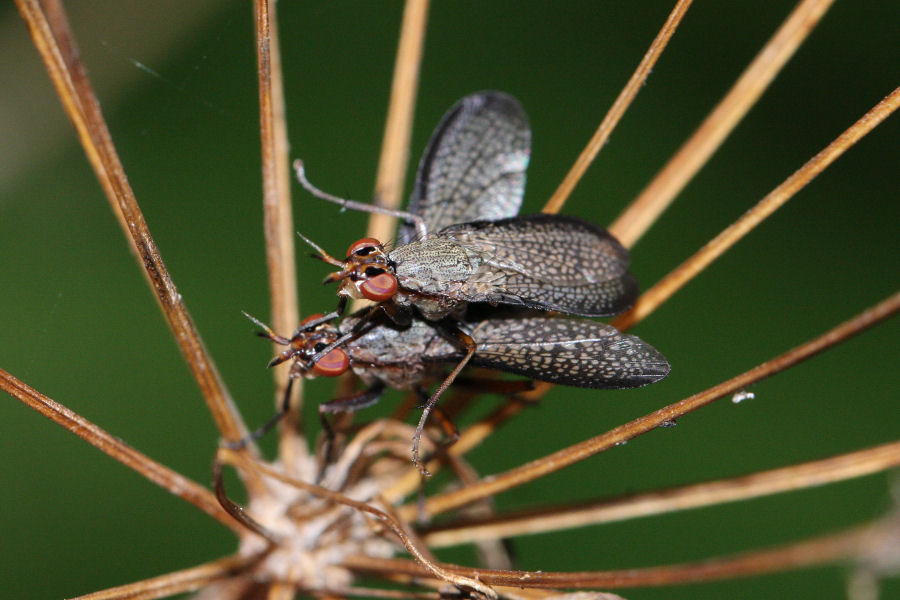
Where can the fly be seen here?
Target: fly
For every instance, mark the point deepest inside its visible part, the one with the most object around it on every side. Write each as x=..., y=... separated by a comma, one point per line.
x=559, y=350
x=462, y=242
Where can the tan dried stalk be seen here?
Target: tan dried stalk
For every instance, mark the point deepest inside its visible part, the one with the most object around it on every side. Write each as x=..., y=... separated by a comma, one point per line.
x=690, y=158
x=394, y=156
x=278, y=221
x=179, y=582
x=398, y=127
x=678, y=277
x=51, y=34
x=817, y=551
x=617, y=111
x=708, y=137
x=658, y=502
x=162, y=476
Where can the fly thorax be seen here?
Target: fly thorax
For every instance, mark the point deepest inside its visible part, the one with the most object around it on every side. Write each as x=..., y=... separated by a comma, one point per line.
x=431, y=265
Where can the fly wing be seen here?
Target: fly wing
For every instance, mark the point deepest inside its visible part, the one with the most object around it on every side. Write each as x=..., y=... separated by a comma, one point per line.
x=576, y=352
x=474, y=165
x=549, y=262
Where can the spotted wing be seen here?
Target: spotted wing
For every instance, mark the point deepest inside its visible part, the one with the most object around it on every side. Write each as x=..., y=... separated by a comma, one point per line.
x=576, y=352
x=549, y=262
x=474, y=165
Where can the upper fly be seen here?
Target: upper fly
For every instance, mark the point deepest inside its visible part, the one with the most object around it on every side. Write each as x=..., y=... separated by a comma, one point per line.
x=461, y=241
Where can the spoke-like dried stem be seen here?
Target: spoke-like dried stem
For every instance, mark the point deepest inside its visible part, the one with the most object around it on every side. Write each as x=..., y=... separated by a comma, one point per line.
x=817, y=551
x=612, y=118
x=278, y=222
x=668, y=183
x=53, y=39
x=179, y=582
x=162, y=476
x=671, y=283
x=360, y=592
x=398, y=128
x=567, y=456
x=794, y=477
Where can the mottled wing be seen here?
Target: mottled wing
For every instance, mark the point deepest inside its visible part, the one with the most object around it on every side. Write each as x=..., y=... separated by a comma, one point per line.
x=474, y=165
x=549, y=262
x=576, y=352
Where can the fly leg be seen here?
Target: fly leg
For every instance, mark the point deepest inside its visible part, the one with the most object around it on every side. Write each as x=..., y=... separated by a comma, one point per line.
x=350, y=403
x=396, y=314
x=447, y=425
x=510, y=389
x=313, y=323
x=464, y=341
x=268, y=425
x=442, y=418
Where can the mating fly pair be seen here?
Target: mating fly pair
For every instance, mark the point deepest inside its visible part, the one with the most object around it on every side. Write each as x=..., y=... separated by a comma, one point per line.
x=461, y=243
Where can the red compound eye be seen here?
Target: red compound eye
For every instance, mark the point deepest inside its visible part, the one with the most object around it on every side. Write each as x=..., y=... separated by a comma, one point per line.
x=366, y=245
x=332, y=364
x=379, y=288
x=311, y=318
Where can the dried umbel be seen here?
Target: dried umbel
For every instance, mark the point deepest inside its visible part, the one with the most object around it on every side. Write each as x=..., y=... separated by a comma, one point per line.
x=371, y=516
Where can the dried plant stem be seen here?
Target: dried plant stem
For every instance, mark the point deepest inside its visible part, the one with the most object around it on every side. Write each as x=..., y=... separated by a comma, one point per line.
x=671, y=283
x=567, y=456
x=398, y=127
x=794, y=477
x=53, y=39
x=817, y=551
x=668, y=183
x=162, y=476
x=612, y=118
x=278, y=221
x=360, y=592
x=179, y=582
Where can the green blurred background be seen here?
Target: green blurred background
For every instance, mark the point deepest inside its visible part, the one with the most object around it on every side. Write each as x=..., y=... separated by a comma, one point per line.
x=177, y=84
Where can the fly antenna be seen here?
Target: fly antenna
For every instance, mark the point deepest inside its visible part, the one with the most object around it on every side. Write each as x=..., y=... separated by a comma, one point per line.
x=417, y=221
x=321, y=254
x=267, y=332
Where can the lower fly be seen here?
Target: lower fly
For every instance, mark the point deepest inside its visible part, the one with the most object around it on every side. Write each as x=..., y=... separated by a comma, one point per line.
x=558, y=350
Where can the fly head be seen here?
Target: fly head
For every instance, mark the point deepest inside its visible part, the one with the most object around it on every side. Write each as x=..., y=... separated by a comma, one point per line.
x=366, y=272
x=305, y=349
